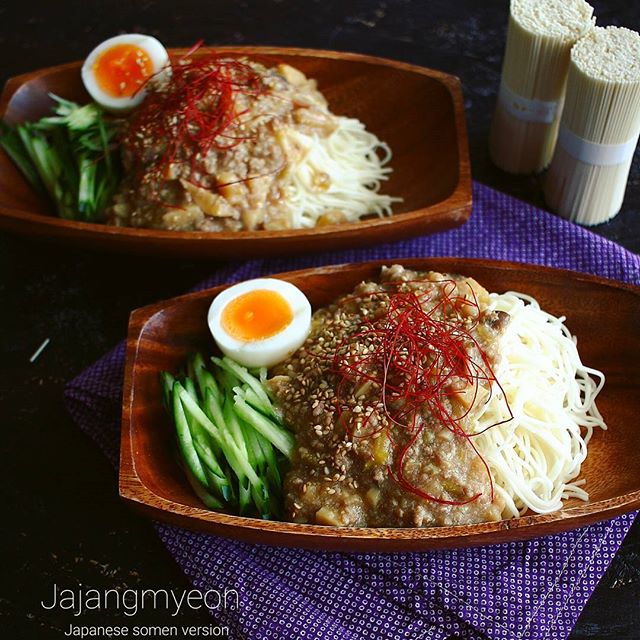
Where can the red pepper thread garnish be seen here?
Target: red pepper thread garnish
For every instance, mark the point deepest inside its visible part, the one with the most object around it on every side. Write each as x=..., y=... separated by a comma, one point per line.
x=417, y=353
x=190, y=109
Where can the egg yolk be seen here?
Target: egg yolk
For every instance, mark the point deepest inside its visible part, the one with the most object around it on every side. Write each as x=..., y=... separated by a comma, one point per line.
x=256, y=315
x=122, y=69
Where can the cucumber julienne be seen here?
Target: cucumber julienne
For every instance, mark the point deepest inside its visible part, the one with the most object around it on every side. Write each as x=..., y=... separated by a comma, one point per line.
x=71, y=155
x=230, y=436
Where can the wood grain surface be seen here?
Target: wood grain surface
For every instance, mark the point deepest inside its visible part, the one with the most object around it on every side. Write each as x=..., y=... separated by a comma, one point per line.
x=419, y=112
x=67, y=523
x=162, y=335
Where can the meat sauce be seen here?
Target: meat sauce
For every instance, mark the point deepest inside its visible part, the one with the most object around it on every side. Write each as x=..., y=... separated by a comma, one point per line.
x=338, y=478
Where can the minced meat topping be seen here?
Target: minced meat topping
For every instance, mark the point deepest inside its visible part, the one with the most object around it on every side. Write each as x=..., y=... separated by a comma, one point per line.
x=340, y=477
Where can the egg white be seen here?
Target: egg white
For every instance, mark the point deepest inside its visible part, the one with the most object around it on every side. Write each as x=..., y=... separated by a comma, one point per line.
x=152, y=47
x=269, y=351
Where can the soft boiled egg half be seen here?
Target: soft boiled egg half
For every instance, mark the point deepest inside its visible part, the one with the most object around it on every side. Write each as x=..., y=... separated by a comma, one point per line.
x=260, y=322
x=115, y=72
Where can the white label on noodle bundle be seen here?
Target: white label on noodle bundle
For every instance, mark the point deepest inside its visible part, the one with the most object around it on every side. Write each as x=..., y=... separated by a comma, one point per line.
x=526, y=109
x=595, y=153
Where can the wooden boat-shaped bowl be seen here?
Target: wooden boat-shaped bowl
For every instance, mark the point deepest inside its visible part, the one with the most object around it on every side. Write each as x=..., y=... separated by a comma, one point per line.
x=602, y=314
x=418, y=112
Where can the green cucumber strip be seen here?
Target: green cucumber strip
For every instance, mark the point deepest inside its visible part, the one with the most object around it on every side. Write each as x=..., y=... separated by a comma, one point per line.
x=83, y=118
x=222, y=486
x=198, y=414
x=185, y=441
x=260, y=493
x=205, y=497
x=105, y=144
x=214, y=412
x=104, y=191
x=235, y=432
x=237, y=460
x=12, y=144
x=206, y=450
x=227, y=380
x=86, y=187
x=190, y=371
x=274, y=433
x=64, y=107
x=244, y=495
x=232, y=424
x=51, y=122
x=252, y=398
x=244, y=375
x=166, y=380
x=217, y=480
x=205, y=379
x=193, y=410
x=202, y=445
x=273, y=470
x=235, y=457
x=47, y=158
x=50, y=168
x=76, y=117
x=59, y=143
x=44, y=171
x=68, y=156
x=206, y=455
x=213, y=409
x=256, y=455
x=191, y=388
x=261, y=499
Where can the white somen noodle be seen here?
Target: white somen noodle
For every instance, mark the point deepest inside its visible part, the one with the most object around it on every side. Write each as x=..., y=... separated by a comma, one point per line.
x=535, y=458
x=341, y=172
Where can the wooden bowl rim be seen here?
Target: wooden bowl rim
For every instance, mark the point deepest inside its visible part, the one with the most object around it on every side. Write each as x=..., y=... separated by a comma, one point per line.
x=133, y=490
x=462, y=189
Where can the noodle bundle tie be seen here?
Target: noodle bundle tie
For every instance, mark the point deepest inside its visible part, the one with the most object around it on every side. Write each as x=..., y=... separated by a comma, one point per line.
x=596, y=153
x=527, y=110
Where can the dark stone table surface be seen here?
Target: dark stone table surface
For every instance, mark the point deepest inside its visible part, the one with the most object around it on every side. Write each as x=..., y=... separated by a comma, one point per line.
x=61, y=517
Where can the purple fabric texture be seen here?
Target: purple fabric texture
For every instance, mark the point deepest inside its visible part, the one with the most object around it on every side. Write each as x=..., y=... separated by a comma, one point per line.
x=521, y=591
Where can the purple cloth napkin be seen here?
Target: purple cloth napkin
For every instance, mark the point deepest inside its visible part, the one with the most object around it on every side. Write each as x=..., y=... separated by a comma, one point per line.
x=520, y=591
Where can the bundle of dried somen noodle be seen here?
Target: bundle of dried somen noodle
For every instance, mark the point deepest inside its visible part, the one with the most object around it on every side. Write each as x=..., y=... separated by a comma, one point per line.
x=599, y=129
x=534, y=73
